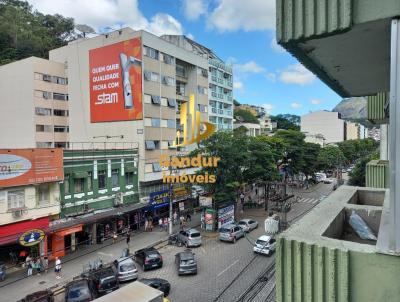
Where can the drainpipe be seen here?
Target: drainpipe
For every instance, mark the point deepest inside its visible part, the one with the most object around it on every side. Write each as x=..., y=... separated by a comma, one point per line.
x=384, y=142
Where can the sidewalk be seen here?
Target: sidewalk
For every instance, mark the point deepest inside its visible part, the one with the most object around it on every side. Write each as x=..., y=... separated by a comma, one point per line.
x=17, y=285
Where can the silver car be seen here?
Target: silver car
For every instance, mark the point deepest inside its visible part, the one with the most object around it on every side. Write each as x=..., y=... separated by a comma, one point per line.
x=265, y=245
x=230, y=233
x=190, y=237
x=126, y=269
x=248, y=224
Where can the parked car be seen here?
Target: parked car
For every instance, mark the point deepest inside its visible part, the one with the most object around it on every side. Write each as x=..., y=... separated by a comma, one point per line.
x=248, y=224
x=231, y=233
x=79, y=291
x=190, y=237
x=126, y=269
x=328, y=181
x=157, y=283
x=148, y=258
x=103, y=281
x=39, y=296
x=186, y=263
x=265, y=245
x=196, y=191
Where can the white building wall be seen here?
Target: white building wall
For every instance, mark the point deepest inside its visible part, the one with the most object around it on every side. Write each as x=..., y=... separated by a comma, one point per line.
x=326, y=123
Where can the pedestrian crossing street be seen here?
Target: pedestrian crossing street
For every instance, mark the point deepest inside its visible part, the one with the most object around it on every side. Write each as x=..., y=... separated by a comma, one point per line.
x=308, y=200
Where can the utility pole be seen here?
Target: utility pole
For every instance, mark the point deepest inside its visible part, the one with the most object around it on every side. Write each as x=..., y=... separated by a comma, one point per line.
x=170, y=198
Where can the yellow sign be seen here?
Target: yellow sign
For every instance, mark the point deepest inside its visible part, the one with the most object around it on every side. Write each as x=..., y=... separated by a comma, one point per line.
x=32, y=237
x=195, y=132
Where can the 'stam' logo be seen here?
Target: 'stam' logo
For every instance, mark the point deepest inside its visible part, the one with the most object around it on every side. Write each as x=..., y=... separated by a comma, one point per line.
x=190, y=121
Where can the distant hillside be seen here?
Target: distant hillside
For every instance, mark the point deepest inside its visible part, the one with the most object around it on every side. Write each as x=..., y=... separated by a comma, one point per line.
x=352, y=108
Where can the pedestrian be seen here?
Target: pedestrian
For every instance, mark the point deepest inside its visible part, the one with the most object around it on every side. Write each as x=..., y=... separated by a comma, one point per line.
x=29, y=265
x=115, y=236
x=175, y=218
x=188, y=217
x=57, y=268
x=146, y=225
x=128, y=238
x=45, y=264
x=165, y=223
x=38, y=266
x=151, y=224
x=256, y=190
x=160, y=224
x=181, y=222
x=242, y=198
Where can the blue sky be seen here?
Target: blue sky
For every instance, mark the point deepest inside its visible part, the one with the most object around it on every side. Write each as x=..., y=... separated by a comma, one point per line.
x=264, y=74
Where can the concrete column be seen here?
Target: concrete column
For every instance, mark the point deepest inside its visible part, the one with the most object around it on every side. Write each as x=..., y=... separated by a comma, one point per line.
x=73, y=242
x=384, y=148
x=94, y=233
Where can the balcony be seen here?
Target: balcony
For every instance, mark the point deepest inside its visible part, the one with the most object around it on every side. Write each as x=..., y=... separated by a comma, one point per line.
x=376, y=108
x=377, y=174
x=321, y=258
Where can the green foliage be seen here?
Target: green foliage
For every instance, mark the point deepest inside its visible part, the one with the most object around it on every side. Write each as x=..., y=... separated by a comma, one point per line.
x=25, y=33
x=287, y=121
x=310, y=154
x=357, y=175
x=330, y=158
x=294, y=153
x=357, y=148
x=235, y=102
x=245, y=116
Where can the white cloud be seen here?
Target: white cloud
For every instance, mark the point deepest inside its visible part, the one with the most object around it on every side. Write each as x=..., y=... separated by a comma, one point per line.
x=248, y=67
x=268, y=107
x=238, y=85
x=231, y=15
x=316, y=102
x=276, y=47
x=190, y=36
x=296, y=105
x=193, y=9
x=101, y=14
x=296, y=74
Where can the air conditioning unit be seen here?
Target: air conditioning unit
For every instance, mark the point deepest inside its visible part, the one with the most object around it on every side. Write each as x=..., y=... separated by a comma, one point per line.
x=226, y=75
x=119, y=200
x=17, y=213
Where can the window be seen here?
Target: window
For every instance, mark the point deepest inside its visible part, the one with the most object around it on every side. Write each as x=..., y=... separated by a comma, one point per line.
x=47, y=95
x=202, y=108
x=151, y=76
x=129, y=178
x=58, y=112
x=61, y=129
x=60, y=96
x=90, y=182
x=43, y=128
x=59, y=80
x=66, y=185
x=16, y=199
x=155, y=122
x=44, y=144
x=152, y=145
x=180, y=71
x=79, y=185
x=202, y=90
x=42, y=111
x=171, y=124
x=202, y=71
x=168, y=81
x=171, y=102
x=115, y=178
x=43, y=194
x=46, y=78
x=169, y=59
x=155, y=99
x=61, y=145
x=156, y=167
x=180, y=88
x=151, y=52
x=102, y=180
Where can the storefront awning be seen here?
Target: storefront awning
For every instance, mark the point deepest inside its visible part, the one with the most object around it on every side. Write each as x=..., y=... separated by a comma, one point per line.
x=81, y=174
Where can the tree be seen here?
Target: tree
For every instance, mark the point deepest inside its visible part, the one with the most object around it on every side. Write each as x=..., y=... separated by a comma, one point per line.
x=357, y=175
x=287, y=121
x=310, y=164
x=25, y=33
x=245, y=116
x=330, y=158
x=356, y=148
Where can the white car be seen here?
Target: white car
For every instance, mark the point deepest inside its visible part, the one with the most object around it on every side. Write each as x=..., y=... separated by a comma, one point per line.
x=248, y=225
x=265, y=245
x=328, y=181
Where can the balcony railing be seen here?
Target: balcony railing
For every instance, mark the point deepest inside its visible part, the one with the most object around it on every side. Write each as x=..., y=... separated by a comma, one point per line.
x=376, y=108
x=377, y=174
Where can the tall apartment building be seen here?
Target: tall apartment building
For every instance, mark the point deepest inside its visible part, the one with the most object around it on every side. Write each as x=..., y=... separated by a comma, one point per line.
x=34, y=104
x=220, y=77
x=326, y=123
x=167, y=76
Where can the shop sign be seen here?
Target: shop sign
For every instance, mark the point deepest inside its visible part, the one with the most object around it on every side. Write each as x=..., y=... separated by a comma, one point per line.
x=226, y=215
x=209, y=219
x=181, y=206
x=205, y=201
x=160, y=197
x=181, y=193
x=31, y=237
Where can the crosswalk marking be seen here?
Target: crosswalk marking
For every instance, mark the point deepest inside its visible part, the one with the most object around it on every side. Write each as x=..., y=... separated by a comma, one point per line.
x=308, y=200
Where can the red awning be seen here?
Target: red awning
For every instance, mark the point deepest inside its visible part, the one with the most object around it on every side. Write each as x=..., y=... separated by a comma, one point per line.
x=10, y=233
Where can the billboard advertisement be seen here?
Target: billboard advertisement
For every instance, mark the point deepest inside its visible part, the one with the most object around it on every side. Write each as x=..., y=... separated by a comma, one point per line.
x=29, y=166
x=115, y=73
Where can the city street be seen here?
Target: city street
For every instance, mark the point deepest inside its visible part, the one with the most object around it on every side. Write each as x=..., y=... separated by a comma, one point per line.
x=221, y=265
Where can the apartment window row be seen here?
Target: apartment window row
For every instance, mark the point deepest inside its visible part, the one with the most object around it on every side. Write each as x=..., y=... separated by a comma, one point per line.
x=151, y=76
x=202, y=71
x=47, y=95
x=44, y=145
x=180, y=71
x=16, y=198
x=157, y=100
x=59, y=112
x=202, y=89
x=167, y=59
x=202, y=108
x=156, y=55
x=49, y=111
x=49, y=128
x=50, y=78
x=64, y=129
x=163, y=123
x=168, y=81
